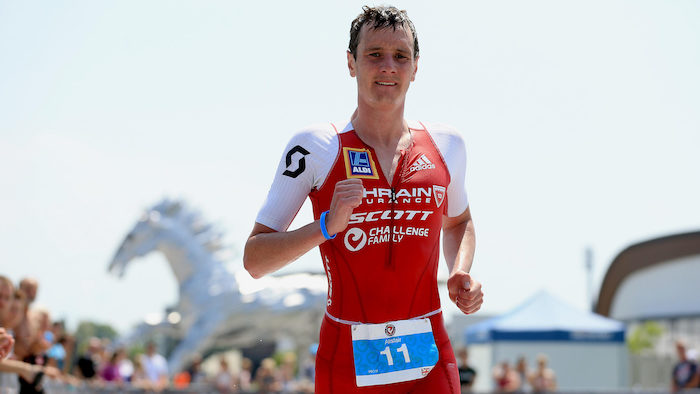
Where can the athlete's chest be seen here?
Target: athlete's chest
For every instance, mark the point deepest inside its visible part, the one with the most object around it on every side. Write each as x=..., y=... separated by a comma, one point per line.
x=419, y=180
x=397, y=218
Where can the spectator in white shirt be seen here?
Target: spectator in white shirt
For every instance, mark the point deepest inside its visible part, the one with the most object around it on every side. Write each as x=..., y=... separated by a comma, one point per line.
x=155, y=366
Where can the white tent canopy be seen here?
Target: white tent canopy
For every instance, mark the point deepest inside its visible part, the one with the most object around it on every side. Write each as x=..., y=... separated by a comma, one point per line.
x=586, y=351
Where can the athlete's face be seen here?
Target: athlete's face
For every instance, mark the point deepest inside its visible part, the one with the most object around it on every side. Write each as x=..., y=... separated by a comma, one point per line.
x=385, y=66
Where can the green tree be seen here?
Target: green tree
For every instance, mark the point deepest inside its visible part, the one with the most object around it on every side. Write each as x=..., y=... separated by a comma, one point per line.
x=88, y=329
x=644, y=336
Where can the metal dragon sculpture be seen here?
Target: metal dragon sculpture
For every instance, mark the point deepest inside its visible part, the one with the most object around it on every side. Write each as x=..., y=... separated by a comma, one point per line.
x=218, y=308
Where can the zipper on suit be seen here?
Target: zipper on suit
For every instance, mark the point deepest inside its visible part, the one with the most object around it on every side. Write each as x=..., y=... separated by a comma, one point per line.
x=395, y=183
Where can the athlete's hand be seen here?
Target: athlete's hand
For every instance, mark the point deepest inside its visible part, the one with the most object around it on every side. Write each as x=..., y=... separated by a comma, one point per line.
x=347, y=196
x=465, y=292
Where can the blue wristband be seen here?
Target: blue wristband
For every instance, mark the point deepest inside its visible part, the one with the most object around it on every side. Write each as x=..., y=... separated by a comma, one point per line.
x=324, y=230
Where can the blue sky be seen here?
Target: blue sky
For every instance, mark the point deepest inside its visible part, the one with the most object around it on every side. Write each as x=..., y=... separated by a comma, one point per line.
x=581, y=122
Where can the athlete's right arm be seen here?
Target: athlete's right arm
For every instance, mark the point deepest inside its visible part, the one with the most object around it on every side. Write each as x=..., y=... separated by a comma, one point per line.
x=268, y=250
x=304, y=166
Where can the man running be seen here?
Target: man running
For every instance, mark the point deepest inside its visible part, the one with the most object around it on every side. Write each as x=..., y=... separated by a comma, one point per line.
x=382, y=189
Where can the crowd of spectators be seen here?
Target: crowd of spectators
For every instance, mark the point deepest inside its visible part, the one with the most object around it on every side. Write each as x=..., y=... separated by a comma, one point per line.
x=285, y=376
x=510, y=378
x=33, y=348
x=518, y=378
x=26, y=337
x=35, y=351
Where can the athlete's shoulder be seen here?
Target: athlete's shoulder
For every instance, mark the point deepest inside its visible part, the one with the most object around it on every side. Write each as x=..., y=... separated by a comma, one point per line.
x=304, y=165
x=440, y=130
x=318, y=133
x=317, y=145
x=317, y=138
x=447, y=138
x=451, y=146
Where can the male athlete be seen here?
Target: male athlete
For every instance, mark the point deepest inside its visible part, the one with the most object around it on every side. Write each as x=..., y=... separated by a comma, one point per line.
x=382, y=189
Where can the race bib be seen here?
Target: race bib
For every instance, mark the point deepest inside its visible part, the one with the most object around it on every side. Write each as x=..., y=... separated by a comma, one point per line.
x=393, y=352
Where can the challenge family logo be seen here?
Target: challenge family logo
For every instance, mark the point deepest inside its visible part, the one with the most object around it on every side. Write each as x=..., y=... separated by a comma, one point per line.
x=355, y=239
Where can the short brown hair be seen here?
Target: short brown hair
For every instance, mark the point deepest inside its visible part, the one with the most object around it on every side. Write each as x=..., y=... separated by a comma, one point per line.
x=377, y=18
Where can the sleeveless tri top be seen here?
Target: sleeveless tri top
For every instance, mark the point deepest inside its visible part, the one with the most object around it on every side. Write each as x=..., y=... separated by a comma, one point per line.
x=383, y=266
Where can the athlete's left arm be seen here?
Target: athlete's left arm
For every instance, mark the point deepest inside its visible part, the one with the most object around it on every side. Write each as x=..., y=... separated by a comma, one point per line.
x=458, y=243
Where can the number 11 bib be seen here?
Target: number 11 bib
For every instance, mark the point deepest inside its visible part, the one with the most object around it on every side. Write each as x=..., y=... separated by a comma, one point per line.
x=393, y=352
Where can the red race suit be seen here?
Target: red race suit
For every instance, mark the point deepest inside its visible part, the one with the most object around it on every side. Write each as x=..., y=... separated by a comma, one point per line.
x=383, y=267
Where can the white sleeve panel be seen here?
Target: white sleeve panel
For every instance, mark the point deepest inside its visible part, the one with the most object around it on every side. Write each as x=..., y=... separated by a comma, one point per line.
x=452, y=148
x=304, y=165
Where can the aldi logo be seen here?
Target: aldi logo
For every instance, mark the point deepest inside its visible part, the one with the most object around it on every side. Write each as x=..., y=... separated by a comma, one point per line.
x=359, y=164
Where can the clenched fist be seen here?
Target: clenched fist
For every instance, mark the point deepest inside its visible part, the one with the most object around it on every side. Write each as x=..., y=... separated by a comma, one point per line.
x=465, y=292
x=347, y=196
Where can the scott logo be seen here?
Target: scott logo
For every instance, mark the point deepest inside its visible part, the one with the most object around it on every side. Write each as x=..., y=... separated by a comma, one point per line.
x=361, y=217
x=355, y=239
x=301, y=162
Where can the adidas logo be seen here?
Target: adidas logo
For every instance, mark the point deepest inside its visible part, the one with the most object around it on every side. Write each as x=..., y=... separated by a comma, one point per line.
x=422, y=163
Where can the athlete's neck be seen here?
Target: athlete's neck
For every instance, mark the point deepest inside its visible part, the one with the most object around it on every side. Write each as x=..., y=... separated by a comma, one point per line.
x=380, y=129
x=385, y=131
